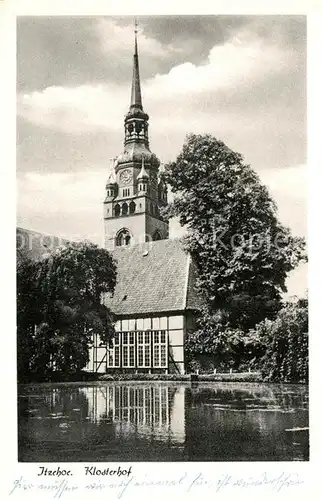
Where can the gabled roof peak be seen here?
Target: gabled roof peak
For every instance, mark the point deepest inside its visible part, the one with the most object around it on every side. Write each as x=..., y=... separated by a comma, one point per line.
x=156, y=277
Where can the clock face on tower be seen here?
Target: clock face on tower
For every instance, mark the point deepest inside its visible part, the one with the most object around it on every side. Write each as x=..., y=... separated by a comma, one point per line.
x=126, y=176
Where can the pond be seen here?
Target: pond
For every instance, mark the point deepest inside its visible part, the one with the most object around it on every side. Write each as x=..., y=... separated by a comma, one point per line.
x=162, y=421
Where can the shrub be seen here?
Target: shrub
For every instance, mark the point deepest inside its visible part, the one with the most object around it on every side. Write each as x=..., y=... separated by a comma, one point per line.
x=286, y=342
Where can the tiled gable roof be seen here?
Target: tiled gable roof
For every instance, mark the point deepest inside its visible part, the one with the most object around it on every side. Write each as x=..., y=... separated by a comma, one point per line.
x=153, y=278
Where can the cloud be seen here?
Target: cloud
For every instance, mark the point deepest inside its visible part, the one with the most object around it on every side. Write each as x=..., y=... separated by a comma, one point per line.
x=81, y=108
x=117, y=39
x=70, y=50
x=249, y=92
x=75, y=109
x=66, y=51
x=237, y=62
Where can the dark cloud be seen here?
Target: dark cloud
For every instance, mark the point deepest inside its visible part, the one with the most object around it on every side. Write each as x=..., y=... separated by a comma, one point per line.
x=289, y=31
x=55, y=50
x=67, y=50
x=195, y=35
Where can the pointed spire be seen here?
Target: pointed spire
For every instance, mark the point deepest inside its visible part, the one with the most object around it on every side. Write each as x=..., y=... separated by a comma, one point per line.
x=136, y=99
x=143, y=173
x=111, y=178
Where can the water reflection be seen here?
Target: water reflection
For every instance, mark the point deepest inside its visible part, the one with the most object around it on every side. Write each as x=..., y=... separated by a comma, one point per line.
x=247, y=423
x=160, y=421
x=151, y=411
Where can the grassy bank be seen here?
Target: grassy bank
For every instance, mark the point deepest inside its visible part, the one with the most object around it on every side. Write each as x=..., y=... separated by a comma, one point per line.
x=88, y=377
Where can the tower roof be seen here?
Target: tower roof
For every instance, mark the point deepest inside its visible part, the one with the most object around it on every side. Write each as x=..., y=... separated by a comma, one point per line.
x=136, y=98
x=143, y=173
x=136, y=140
x=111, y=179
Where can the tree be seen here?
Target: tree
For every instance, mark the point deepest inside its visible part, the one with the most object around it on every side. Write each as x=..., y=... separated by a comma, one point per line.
x=242, y=252
x=286, y=344
x=28, y=316
x=215, y=344
x=59, y=307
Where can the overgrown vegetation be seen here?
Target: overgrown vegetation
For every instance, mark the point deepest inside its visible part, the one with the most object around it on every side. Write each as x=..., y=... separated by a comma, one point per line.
x=243, y=256
x=209, y=377
x=59, y=304
x=285, y=344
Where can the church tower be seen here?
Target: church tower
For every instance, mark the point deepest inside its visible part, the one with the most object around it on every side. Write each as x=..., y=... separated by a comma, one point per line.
x=134, y=192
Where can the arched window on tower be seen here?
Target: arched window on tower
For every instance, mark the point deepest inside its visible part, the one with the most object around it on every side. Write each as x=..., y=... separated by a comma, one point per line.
x=132, y=207
x=123, y=238
x=117, y=210
x=125, y=209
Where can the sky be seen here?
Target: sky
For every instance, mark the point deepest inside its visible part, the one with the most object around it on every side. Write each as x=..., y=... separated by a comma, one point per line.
x=239, y=78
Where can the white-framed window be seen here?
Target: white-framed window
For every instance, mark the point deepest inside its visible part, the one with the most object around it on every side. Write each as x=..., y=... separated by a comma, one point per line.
x=128, y=349
x=141, y=349
x=160, y=349
x=113, y=353
x=144, y=349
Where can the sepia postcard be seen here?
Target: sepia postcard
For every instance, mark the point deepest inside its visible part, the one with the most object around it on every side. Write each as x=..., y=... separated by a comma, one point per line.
x=160, y=329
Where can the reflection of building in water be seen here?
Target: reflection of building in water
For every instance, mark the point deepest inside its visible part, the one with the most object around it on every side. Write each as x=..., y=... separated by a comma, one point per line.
x=154, y=412
x=177, y=415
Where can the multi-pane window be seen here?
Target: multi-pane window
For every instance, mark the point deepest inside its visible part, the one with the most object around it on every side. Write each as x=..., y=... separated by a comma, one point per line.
x=144, y=349
x=113, y=353
x=160, y=357
x=128, y=346
x=141, y=349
